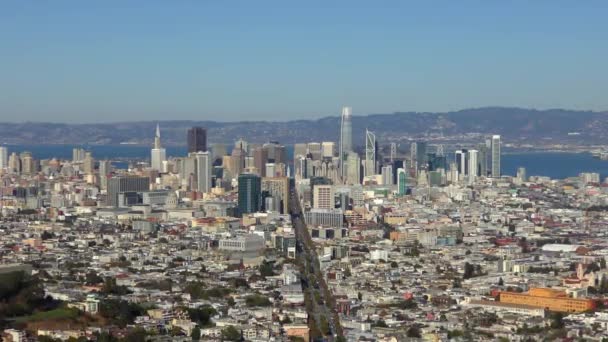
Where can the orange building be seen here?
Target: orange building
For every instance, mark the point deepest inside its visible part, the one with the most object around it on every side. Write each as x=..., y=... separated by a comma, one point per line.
x=550, y=299
x=298, y=330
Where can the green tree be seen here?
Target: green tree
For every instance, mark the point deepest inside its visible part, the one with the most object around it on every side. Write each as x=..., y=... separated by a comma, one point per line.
x=257, y=300
x=92, y=278
x=202, y=315
x=557, y=320
x=266, y=269
x=324, y=325
x=230, y=333
x=469, y=271
x=119, y=312
x=380, y=324
x=413, y=332
x=196, y=333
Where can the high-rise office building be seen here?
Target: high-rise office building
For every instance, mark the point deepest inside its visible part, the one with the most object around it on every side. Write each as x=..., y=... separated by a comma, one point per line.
x=421, y=155
x=401, y=182
x=237, y=161
x=393, y=152
x=260, y=158
x=250, y=193
x=88, y=163
x=300, y=149
x=323, y=197
x=270, y=170
x=521, y=174
x=370, y=154
x=460, y=158
x=346, y=138
x=28, y=166
x=315, y=151
x=472, y=159
x=203, y=171
x=242, y=144
x=78, y=154
x=158, y=153
x=278, y=189
x=3, y=157
x=218, y=151
x=483, y=159
x=122, y=184
x=496, y=156
x=105, y=168
x=329, y=149
x=353, y=168
x=14, y=164
x=387, y=174
x=197, y=139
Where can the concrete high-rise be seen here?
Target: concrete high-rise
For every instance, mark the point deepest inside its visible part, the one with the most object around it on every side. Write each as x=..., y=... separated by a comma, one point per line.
x=473, y=168
x=105, y=168
x=218, y=151
x=278, y=189
x=496, y=156
x=14, y=164
x=393, y=153
x=197, y=139
x=346, y=138
x=3, y=157
x=88, y=163
x=315, y=150
x=353, y=168
x=260, y=158
x=28, y=164
x=387, y=174
x=421, y=155
x=250, y=193
x=328, y=148
x=122, y=184
x=203, y=171
x=460, y=157
x=370, y=154
x=158, y=154
x=323, y=197
x=78, y=154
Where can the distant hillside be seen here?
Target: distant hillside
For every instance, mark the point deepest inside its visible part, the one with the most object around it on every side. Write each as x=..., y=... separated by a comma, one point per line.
x=515, y=124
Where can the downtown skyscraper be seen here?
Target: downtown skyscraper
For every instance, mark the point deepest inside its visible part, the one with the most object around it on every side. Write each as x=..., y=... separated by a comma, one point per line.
x=203, y=171
x=3, y=157
x=197, y=140
x=495, y=147
x=371, y=148
x=346, y=138
x=158, y=154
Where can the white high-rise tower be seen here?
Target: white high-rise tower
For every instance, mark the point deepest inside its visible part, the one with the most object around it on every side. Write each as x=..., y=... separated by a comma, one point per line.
x=346, y=138
x=3, y=157
x=158, y=154
x=370, y=154
x=496, y=156
x=203, y=171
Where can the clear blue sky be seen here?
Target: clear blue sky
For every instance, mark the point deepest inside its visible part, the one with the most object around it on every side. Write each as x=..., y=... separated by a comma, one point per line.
x=94, y=61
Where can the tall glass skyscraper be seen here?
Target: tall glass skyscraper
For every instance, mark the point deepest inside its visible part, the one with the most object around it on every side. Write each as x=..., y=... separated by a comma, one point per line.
x=250, y=193
x=346, y=137
x=401, y=181
x=370, y=154
x=197, y=139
